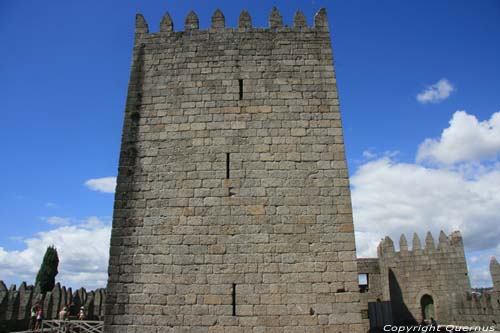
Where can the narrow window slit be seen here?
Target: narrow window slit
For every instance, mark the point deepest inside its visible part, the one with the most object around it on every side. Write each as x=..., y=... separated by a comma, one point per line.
x=228, y=162
x=241, y=88
x=234, y=299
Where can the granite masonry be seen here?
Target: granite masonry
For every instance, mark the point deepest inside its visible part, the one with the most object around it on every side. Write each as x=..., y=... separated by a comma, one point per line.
x=428, y=281
x=16, y=303
x=233, y=210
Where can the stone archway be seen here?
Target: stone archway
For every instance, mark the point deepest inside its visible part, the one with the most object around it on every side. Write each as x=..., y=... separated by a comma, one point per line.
x=427, y=306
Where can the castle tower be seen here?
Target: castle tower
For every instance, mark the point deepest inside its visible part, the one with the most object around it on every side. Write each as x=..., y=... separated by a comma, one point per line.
x=232, y=208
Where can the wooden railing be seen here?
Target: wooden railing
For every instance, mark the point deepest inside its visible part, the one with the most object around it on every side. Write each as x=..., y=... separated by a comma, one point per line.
x=70, y=326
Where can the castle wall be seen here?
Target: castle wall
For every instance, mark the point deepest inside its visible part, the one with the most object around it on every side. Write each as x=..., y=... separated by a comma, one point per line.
x=232, y=208
x=438, y=272
x=405, y=276
x=471, y=308
x=373, y=292
x=16, y=303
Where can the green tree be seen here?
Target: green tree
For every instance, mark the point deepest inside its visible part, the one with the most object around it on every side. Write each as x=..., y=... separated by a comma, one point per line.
x=46, y=276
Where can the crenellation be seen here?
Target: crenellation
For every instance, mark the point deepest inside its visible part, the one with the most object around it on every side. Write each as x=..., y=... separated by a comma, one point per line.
x=141, y=26
x=166, y=24
x=444, y=242
x=407, y=277
x=403, y=244
x=416, y=243
x=495, y=274
x=275, y=19
x=218, y=21
x=321, y=20
x=429, y=242
x=299, y=20
x=191, y=22
x=456, y=239
x=232, y=177
x=217, y=25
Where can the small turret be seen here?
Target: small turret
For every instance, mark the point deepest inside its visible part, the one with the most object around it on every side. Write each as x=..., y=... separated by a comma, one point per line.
x=388, y=245
x=417, y=244
x=275, y=19
x=244, y=21
x=495, y=273
x=320, y=20
x=403, y=244
x=218, y=20
x=429, y=242
x=456, y=239
x=141, y=26
x=191, y=22
x=443, y=242
x=166, y=24
x=299, y=20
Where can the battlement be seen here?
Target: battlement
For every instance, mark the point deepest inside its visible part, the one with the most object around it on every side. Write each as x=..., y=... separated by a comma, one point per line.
x=233, y=179
x=218, y=22
x=16, y=303
x=445, y=243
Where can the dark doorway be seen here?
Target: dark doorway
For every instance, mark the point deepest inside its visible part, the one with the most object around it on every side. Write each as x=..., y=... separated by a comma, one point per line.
x=427, y=305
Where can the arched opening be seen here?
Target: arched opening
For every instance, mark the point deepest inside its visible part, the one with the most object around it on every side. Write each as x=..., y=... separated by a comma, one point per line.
x=427, y=305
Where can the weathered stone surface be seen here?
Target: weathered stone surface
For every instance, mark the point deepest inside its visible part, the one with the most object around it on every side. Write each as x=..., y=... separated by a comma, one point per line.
x=166, y=24
x=191, y=22
x=218, y=20
x=232, y=178
x=244, y=20
x=299, y=20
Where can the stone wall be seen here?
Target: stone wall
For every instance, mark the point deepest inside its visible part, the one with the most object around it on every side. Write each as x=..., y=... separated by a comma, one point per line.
x=16, y=303
x=405, y=276
x=472, y=308
x=232, y=209
x=373, y=292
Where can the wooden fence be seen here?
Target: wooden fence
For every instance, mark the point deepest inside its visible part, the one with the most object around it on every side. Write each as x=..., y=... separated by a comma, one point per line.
x=69, y=326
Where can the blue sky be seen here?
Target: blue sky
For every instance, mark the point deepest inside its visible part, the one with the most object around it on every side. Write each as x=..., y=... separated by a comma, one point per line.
x=65, y=68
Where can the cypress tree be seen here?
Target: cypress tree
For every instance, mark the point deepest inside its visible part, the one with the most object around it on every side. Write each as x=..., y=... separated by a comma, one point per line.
x=46, y=276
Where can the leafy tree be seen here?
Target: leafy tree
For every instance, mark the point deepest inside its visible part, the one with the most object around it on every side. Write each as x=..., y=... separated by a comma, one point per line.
x=46, y=276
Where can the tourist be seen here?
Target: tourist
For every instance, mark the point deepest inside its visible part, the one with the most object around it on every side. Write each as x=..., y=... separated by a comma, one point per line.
x=63, y=314
x=434, y=322
x=39, y=318
x=34, y=309
x=81, y=315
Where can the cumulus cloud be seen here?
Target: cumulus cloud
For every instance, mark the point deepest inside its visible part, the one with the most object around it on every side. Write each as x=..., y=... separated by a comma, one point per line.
x=404, y=198
x=436, y=93
x=57, y=220
x=105, y=184
x=83, y=255
x=466, y=139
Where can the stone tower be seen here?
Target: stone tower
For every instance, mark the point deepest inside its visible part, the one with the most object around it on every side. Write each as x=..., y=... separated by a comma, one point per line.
x=232, y=210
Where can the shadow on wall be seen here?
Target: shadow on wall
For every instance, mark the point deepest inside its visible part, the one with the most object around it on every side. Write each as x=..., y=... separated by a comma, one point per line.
x=400, y=312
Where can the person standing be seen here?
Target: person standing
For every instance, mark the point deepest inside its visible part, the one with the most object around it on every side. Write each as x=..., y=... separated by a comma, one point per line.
x=33, y=312
x=39, y=318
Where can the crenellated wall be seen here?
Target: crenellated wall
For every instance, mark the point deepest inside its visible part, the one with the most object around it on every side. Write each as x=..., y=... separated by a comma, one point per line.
x=16, y=303
x=404, y=277
x=232, y=208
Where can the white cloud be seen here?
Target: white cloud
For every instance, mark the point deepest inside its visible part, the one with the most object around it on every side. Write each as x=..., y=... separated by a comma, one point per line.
x=83, y=255
x=399, y=197
x=57, y=220
x=436, y=93
x=105, y=184
x=466, y=139
x=51, y=205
